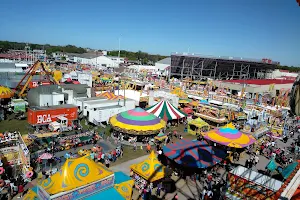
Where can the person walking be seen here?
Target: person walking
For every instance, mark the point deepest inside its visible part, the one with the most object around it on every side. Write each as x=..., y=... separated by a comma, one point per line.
x=107, y=162
x=256, y=159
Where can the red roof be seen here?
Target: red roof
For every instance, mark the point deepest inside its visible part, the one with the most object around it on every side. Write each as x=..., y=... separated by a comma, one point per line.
x=261, y=81
x=284, y=70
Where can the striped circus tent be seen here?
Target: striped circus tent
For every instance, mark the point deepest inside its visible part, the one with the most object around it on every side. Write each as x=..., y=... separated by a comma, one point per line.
x=166, y=111
x=110, y=96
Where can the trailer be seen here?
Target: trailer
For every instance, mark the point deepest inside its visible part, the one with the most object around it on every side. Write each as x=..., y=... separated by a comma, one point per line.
x=80, y=102
x=103, y=114
x=57, y=118
x=100, y=111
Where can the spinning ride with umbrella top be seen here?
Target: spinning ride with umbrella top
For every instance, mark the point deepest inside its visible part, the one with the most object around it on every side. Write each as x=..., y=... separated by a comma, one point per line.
x=5, y=93
x=165, y=110
x=193, y=153
x=229, y=136
x=137, y=121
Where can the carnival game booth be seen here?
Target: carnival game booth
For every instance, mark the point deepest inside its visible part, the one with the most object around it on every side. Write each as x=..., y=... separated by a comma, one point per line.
x=213, y=114
x=194, y=153
x=136, y=123
x=109, y=95
x=82, y=178
x=166, y=111
x=147, y=171
x=229, y=136
x=276, y=126
x=14, y=150
x=196, y=126
x=245, y=183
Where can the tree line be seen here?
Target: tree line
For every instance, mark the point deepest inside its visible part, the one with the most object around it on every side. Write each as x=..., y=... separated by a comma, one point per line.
x=140, y=57
x=7, y=45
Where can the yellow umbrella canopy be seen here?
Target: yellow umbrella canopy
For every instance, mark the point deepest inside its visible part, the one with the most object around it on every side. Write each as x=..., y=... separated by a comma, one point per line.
x=5, y=92
x=150, y=169
x=75, y=173
x=229, y=136
x=137, y=121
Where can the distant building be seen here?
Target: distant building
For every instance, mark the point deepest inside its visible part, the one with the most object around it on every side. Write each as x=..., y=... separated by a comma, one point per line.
x=97, y=60
x=282, y=74
x=163, y=65
x=10, y=66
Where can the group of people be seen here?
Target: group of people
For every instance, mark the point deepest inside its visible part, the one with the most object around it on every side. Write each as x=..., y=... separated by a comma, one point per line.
x=11, y=187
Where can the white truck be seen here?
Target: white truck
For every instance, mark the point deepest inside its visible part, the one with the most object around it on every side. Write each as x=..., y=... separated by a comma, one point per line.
x=61, y=125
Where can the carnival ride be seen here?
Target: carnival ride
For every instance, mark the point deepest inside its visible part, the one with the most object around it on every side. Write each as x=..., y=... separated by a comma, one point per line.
x=37, y=68
x=295, y=97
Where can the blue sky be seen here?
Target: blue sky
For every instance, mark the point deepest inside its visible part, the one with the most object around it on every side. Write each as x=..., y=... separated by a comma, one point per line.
x=249, y=29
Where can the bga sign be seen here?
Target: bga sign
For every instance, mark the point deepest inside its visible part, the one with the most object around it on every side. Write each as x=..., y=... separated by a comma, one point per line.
x=43, y=119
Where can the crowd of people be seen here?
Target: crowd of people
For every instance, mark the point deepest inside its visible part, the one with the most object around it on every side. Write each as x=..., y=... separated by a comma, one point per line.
x=9, y=136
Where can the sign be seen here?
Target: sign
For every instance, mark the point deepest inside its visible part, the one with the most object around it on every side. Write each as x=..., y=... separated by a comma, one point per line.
x=34, y=84
x=19, y=106
x=42, y=119
x=88, y=190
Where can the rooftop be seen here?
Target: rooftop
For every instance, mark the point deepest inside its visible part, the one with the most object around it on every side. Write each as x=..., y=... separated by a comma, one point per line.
x=261, y=81
x=53, y=107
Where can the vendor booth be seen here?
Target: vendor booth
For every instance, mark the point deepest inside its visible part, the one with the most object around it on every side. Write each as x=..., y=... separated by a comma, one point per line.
x=197, y=126
x=82, y=178
x=255, y=128
x=211, y=113
x=245, y=183
x=147, y=171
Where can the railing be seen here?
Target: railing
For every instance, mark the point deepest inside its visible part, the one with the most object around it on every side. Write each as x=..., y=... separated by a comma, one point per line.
x=223, y=57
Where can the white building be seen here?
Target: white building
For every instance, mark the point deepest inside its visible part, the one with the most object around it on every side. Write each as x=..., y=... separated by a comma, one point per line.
x=282, y=74
x=81, y=77
x=163, y=65
x=13, y=67
x=100, y=61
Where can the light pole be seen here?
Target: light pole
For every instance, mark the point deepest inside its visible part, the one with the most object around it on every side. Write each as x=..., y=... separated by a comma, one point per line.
x=119, y=50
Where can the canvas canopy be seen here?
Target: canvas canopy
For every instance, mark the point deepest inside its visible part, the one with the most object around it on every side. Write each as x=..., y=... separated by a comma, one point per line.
x=150, y=169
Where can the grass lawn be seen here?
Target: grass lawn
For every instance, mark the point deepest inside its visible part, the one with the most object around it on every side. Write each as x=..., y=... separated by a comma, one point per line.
x=129, y=154
x=14, y=125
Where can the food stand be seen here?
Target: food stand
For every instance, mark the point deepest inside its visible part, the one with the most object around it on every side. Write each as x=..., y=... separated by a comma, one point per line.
x=149, y=170
x=247, y=184
x=197, y=126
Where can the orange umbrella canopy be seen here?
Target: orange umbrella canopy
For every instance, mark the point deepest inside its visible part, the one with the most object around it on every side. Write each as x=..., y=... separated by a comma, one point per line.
x=5, y=92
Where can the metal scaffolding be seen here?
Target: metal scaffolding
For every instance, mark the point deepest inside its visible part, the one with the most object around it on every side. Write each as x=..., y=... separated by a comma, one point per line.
x=198, y=67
